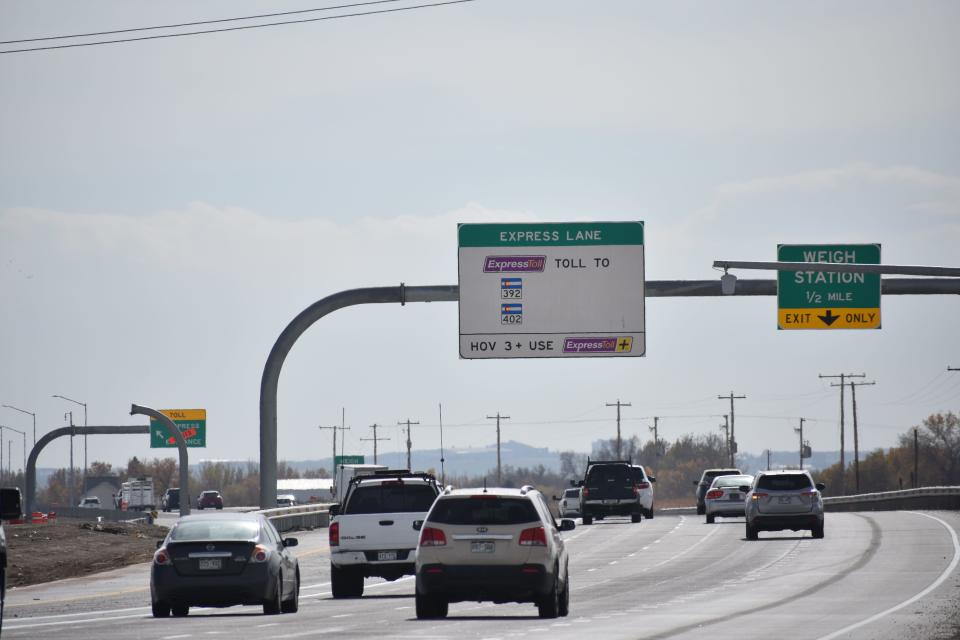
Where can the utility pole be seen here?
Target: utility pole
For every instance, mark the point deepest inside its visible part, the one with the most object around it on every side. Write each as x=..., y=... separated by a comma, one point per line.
x=916, y=458
x=733, y=435
x=800, y=431
x=656, y=441
x=498, y=418
x=856, y=437
x=726, y=435
x=409, y=443
x=443, y=475
x=768, y=459
x=375, y=439
x=618, y=404
x=843, y=459
x=73, y=502
x=333, y=460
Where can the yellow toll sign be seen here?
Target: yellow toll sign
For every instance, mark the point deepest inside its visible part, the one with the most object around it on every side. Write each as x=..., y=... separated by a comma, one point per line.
x=868, y=318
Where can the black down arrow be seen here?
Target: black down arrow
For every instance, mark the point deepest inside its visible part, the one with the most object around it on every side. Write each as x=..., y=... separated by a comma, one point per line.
x=829, y=319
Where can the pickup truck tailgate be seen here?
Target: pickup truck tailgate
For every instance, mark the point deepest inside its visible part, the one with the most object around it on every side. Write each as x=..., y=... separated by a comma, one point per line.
x=388, y=531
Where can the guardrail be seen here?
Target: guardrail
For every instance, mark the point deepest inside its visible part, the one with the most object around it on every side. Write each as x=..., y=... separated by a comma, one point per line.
x=922, y=498
x=309, y=516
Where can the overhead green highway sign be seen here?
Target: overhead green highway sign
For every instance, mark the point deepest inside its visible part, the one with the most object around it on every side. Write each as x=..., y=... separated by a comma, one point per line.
x=812, y=299
x=191, y=422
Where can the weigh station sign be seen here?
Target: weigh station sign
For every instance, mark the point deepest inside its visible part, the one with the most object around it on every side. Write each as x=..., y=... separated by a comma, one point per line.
x=191, y=422
x=552, y=290
x=812, y=299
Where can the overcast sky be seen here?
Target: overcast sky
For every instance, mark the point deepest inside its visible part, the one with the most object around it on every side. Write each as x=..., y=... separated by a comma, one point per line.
x=167, y=207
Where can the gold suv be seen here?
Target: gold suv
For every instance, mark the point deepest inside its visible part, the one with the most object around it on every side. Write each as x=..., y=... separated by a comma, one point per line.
x=496, y=545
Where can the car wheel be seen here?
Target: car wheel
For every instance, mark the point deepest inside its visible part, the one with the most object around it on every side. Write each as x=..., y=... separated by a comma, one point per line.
x=565, y=598
x=635, y=517
x=356, y=583
x=649, y=513
x=701, y=510
x=549, y=606
x=272, y=605
x=817, y=531
x=587, y=519
x=751, y=532
x=710, y=518
x=293, y=604
x=180, y=610
x=430, y=607
x=160, y=609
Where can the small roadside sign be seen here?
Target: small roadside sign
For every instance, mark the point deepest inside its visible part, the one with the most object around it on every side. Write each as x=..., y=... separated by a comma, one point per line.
x=812, y=299
x=338, y=460
x=191, y=422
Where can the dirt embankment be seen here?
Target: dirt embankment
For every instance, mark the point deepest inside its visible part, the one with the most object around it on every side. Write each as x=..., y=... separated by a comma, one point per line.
x=67, y=548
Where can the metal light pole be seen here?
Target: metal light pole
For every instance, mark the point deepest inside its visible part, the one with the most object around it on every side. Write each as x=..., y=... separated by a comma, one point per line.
x=24, y=448
x=31, y=413
x=70, y=481
x=84, y=405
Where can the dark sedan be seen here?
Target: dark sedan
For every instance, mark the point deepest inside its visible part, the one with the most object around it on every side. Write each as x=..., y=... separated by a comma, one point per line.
x=221, y=560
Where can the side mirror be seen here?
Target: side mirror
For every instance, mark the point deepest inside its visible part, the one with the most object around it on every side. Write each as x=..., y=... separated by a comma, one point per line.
x=745, y=488
x=652, y=478
x=696, y=483
x=10, y=504
x=290, y=542
x=334, y=510
x=567, y=525
x=557, y=498
x=579, y=483
x=573, y=483
x=159, y=543
x=821, y=486
x=417, y=525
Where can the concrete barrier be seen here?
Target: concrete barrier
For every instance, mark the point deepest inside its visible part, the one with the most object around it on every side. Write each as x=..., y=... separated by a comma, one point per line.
x=309, y=516
x=947, y=498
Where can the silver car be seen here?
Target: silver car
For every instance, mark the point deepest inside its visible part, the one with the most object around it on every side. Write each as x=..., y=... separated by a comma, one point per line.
x=499, y=545
x=725, y=496
x=786, y=499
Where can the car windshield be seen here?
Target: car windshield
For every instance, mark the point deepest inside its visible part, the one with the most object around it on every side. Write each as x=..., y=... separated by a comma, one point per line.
x=391, y=497
x=483, y=509
x=219, y=529
x=786, y=482
x=732, y=481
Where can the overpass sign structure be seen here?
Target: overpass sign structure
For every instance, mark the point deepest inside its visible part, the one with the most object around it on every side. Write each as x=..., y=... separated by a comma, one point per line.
x=191, y=422
x=812, y=299
x=551, y=290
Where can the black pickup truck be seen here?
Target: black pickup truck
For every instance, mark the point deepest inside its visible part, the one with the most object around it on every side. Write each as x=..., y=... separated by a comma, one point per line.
x=609, y=489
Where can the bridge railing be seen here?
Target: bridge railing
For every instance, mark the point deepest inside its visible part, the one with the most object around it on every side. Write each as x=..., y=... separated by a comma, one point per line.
x=308, y=516
x=921, y=498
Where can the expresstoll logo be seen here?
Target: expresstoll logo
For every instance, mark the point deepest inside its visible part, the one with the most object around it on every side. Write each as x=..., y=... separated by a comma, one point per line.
x=598, y=345
x=514, y=264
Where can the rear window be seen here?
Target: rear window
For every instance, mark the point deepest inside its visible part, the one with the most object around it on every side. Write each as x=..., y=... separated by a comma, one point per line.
x=733, y=481
x=571, y=493
x=477, y=510
x=219, y=529
x=619, y=473
x=790, y=482
x=391, y=497
x=723, y=472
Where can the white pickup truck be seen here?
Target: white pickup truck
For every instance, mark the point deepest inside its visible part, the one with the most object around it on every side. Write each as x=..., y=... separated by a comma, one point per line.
x=372, y=531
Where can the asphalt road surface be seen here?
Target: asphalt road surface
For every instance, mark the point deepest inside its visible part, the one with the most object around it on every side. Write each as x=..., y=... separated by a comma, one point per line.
x=876, y=575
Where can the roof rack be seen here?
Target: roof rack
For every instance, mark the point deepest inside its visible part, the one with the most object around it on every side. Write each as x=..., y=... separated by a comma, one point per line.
x=395, y=474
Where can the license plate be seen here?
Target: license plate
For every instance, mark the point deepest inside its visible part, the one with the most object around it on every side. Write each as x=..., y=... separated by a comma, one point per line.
x=609, y=502
x=482, y=547
x=210, y=564
x=387, y=555
x=736, y=496
x=784, y=500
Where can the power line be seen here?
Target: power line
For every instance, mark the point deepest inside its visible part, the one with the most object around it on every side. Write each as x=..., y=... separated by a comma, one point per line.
x=197, y=23
x=239, y=28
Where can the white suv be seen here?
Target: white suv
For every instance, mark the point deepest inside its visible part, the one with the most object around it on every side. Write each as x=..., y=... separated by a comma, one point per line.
x=645, y=486
x=499, y=545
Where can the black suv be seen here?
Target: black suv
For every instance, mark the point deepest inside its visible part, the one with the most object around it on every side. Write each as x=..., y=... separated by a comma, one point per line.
x=9, y=510
x=610, y=488
x=171, y=499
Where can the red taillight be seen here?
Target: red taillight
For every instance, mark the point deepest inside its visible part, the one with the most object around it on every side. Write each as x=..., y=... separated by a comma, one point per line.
x=431, y=537
x=335, y=534
x=757, y=495
x=636, y=490
x=810, y=494
x=644, y=485
x=586, y=492
x=161, y=557
x=259, y=554
x=534, y=537
x=713, y=494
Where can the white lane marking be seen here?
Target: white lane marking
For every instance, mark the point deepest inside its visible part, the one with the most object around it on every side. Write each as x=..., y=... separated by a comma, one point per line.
x=645, y=548
x=589, y=570
x=936, y=583
x=269, y=624
x=370, y=586
x=312, y=632
x=82, y=613
x=401, y=608
x=343, y=615
x=182, y=635
x=613, y=562
x=14, y=627
x=315, y=586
